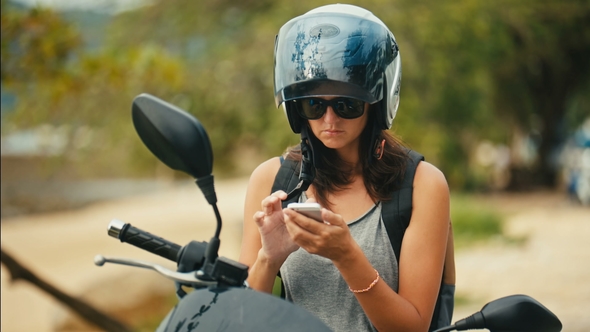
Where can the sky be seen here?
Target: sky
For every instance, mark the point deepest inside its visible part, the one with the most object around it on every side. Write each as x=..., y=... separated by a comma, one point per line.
x=110, y=6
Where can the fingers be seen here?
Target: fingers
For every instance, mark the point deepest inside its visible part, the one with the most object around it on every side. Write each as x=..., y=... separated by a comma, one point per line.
x=332, y=218
x=259, y=218
x=272, y=203
x=303, y=222
x=330, y=239
x=269, y=205
x=275, y=197
x=301, y=228
x=280, y=194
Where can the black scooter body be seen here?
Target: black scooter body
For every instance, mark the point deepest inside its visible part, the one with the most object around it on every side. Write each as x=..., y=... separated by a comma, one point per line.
x=237, y=309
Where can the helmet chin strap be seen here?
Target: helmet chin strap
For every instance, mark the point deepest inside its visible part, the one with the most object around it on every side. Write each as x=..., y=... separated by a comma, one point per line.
x=307, y=173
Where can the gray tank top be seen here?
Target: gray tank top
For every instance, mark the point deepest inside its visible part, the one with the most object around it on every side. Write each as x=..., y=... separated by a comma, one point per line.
x=314, y=283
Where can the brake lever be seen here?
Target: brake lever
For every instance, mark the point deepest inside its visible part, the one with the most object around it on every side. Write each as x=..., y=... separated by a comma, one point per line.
x=182, y=277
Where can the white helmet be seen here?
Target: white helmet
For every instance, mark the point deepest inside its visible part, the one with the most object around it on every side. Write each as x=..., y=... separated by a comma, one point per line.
x=339, y=50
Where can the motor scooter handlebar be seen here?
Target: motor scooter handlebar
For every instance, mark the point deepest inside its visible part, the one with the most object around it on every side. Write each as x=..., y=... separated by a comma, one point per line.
x=144, y=240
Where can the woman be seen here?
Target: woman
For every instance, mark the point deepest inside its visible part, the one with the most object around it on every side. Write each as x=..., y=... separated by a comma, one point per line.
x=337, y=75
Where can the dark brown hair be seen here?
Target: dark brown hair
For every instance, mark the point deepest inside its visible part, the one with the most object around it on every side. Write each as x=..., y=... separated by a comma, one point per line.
x=381, y=177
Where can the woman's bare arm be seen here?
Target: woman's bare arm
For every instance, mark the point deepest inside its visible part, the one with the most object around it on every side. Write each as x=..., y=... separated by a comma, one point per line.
x=262, y=271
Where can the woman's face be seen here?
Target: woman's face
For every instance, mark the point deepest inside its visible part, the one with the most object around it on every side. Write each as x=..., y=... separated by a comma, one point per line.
x=338, y=133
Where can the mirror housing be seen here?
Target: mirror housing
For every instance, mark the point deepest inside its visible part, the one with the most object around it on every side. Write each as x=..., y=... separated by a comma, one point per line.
x=177, y=138
x=519, y=313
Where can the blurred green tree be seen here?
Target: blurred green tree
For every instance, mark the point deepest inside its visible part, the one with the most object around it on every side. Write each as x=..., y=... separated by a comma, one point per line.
x=543, y=66
x=496, y=70
x=36, y=44
x=87, y=95
x=473, y=71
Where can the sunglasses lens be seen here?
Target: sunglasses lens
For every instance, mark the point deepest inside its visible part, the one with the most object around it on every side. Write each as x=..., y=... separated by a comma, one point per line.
x=312, y=108
x=348, y=108
x=315, y=108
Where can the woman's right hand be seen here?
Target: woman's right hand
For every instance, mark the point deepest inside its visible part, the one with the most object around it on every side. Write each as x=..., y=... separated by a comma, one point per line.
x=277, y=244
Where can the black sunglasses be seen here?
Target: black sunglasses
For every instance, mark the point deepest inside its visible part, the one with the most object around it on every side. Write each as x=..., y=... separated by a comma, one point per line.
x=315, y=108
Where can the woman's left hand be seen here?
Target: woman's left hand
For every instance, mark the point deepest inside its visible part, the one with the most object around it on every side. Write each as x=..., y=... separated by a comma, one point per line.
x=330, y=239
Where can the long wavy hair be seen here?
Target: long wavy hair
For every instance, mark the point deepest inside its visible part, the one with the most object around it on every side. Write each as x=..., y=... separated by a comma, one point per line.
x=381, y=176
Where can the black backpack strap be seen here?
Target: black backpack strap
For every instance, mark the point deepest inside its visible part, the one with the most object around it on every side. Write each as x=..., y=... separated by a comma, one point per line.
x=443, y=310
x=287, y=178
x=396, y=213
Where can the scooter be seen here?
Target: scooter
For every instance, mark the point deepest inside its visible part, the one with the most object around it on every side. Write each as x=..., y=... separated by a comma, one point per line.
x=220, y=299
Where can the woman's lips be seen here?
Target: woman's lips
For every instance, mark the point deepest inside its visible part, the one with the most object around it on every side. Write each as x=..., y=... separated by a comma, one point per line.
x=332, y=132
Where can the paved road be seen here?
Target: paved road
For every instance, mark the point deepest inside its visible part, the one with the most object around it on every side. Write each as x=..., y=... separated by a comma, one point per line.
x=552, y=266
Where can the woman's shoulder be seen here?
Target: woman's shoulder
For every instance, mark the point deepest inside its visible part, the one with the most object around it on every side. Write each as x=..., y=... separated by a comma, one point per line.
x=266, y=171
x=271, y=164
x=261, y=181
x=428, y=175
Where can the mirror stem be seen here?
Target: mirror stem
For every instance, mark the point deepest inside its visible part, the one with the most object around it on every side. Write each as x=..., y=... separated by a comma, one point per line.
x=208, y=188
x=218, y=217
x=212, y=251
x=475, y=321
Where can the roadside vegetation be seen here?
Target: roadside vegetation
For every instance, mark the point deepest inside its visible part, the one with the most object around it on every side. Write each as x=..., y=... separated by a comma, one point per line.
x=478, y=223
x=474, y=222
x=474, y=72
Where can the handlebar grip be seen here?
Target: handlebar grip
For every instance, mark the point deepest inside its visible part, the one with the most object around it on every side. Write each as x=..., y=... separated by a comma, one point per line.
x=144, y=240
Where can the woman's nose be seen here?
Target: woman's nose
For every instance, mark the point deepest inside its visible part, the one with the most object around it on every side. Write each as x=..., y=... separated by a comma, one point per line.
x=330, y=116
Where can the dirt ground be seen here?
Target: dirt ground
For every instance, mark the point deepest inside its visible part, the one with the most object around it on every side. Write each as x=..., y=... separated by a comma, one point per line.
x=552, y=266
